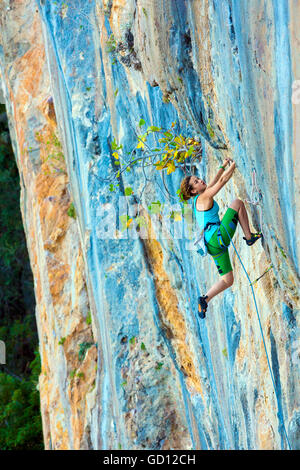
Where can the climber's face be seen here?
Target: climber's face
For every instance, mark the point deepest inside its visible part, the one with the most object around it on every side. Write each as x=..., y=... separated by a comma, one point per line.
x=197, y=184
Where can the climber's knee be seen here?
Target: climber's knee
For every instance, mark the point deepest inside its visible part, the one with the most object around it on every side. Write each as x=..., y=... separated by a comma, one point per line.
x=228, y=278
x=236, y=204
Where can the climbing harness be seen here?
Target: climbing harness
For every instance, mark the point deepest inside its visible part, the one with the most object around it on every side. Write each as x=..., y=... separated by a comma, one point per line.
x=202, y=249
x=264, y=343
x=255, y=199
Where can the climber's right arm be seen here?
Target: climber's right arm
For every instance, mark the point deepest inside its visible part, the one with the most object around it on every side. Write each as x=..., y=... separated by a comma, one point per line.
x=213, y=190
x=228, y=173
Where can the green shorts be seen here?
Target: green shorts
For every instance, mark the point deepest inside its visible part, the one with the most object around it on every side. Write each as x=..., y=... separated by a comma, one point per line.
x=221, y=258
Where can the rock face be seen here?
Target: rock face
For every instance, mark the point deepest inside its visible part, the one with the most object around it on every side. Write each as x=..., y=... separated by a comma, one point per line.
x=126, y=363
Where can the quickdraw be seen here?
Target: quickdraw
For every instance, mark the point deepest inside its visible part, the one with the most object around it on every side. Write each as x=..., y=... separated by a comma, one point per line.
x=255, y=200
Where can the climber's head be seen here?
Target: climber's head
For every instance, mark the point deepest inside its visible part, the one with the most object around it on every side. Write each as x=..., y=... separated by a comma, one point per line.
x=191, y=186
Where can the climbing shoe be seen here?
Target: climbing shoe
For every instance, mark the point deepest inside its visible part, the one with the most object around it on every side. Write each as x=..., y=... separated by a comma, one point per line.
x=202, y=306
x=254, y=237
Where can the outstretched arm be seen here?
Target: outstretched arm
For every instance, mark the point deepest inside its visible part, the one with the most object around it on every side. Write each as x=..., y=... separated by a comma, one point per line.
x=213, y=190
x=220, y=172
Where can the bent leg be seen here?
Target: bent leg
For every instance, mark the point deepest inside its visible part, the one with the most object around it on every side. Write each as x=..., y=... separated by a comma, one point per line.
x=240, y=208
x=228, y=225
x=223, y=264
x=220, y=286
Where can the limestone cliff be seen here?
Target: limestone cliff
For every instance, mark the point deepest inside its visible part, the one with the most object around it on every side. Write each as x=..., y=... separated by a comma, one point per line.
x=125, y=361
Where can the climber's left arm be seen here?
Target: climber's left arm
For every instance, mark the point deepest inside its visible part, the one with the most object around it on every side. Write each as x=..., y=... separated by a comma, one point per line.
x=220, y=172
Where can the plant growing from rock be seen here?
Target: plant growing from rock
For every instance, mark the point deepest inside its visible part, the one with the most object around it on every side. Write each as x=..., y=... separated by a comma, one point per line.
x=53, y=151
x=156, y=148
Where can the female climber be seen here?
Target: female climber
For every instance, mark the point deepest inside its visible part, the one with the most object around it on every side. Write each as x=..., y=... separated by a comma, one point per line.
x=215, y=231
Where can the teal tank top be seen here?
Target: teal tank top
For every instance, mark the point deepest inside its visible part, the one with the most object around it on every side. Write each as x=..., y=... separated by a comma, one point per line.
x=203, y=217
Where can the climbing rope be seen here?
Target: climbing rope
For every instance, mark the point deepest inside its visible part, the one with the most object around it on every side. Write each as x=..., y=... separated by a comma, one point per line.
x=264, y=343
x=255, y=198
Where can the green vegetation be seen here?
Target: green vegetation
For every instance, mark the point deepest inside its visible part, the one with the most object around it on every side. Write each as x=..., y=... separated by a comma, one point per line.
x=225, y=353
x=83, y=347
x=166, y=150
x=71, y=211
x=88, y=319
x=74, y=374
x=282, y=252
x=210, y=130
x=158, y=148
x=20, y=420
x=128, y=191
x=111, y=44
x=53, y=150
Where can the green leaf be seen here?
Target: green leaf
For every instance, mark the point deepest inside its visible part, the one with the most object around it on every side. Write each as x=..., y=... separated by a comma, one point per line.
x=143, y=347
x=111, y=187
x=168, y=135
x=225, y=353
x=132, y=340
x=88, y=318
x=190, y=150
x=114, y=145
x=71, y=211
x=282, y=252
x=124, y=221
x=173, y=145
x=83, y=347
x=154, y=207
x=210, y=130
x=140, y=221
x=142, y=122
x=154, y=129
x=128, y=191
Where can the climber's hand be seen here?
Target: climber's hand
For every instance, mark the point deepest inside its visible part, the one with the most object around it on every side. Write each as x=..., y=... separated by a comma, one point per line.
x=228, y=173
x=227, y=162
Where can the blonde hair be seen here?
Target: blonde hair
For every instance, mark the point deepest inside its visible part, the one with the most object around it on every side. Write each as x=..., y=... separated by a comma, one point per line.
x=185, y=188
